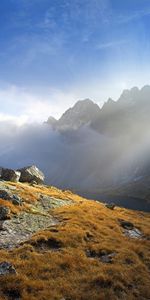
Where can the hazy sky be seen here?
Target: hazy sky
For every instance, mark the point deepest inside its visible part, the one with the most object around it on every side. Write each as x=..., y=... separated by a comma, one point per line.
x=54, y=52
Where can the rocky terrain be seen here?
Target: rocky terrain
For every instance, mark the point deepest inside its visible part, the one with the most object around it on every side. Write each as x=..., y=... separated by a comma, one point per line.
x=57, y=245
x=31, y=216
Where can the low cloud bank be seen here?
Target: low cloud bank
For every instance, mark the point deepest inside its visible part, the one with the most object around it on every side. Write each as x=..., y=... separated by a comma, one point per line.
x=80, y=160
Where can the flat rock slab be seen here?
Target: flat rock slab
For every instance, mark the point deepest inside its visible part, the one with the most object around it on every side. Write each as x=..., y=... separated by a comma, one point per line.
x=21, y=227
x=47, y=202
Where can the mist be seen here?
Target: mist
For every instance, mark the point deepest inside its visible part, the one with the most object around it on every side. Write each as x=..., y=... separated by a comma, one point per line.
x=82, y=160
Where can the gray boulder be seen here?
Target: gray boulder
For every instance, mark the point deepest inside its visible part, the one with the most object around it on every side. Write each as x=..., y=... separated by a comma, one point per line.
x=7, y=268
x=5, y=194
x=31, y=174
x=4, y=212
x=134, y=233
x=110, y=205
x=9, y=175
x=16, y=200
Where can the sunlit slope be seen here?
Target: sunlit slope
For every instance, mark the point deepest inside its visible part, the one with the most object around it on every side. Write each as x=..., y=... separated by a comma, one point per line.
x=87, y=253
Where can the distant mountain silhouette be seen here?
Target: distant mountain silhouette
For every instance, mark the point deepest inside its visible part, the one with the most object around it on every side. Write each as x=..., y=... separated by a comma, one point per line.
x=114, y=159
x=51, y=121
x=115, y=118
x=126, y=115
x=82, y=113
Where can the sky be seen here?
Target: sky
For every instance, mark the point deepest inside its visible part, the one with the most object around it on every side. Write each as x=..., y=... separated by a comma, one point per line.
x=55, y=52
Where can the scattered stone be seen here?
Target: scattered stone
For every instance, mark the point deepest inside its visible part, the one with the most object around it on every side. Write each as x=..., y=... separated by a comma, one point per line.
x=110, y=205
x=17, y=200
x=130, y=230
x=126, y=224
x=7, y=268
x=45, y=245
x=134, y=233
x=107, y=257
x=103, y=255
x=30, y=174
x=4, y=212
x=5, y=194
x=10, y=175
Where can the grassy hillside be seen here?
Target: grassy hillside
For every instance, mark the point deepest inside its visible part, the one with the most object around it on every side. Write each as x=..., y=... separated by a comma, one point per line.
x=85, y=255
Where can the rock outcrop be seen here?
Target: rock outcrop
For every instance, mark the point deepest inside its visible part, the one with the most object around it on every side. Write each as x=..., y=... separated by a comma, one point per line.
x=8, y=194
x=18, y=224
x=5, y=193
x=9, y=175
x=31, y=174
x=7, y=268
x=130, y=230
x=4, y=213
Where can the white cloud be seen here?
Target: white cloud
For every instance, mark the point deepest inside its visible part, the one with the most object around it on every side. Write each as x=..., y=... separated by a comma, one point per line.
x=19, y=120
x=21, y=106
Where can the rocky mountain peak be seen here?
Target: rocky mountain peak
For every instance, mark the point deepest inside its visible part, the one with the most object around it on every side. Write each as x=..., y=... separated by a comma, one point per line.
x=82, y=106
x=51, y=121
x=132, y=102
x=109, y=105
x=129, y=97
x=84, y=103
x=82, y=113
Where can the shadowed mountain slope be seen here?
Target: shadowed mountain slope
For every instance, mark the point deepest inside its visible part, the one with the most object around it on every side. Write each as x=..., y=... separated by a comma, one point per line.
x=128, y=116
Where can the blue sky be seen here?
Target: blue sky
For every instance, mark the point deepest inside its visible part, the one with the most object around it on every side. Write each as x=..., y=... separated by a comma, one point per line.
x=54, y=52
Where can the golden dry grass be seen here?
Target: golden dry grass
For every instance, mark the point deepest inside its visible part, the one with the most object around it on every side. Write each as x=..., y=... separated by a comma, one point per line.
x=53, y=265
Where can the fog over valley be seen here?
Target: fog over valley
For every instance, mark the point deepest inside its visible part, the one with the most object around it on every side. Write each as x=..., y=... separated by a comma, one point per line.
x=100, y=153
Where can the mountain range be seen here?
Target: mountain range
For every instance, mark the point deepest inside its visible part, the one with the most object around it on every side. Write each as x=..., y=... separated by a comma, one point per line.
x=114, y=118
x=100, y=153
x=115, y=147
x=83, y=112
